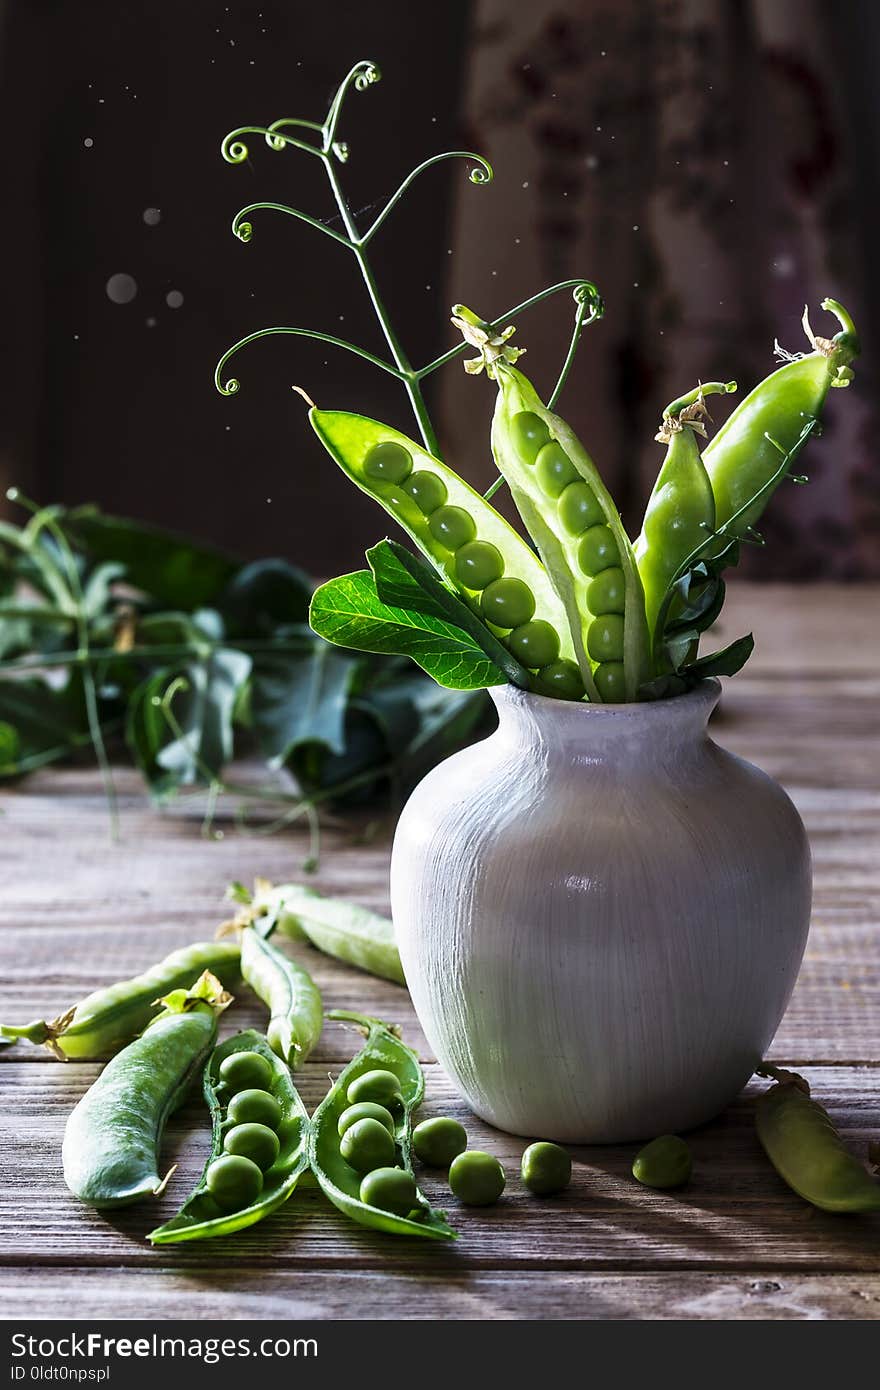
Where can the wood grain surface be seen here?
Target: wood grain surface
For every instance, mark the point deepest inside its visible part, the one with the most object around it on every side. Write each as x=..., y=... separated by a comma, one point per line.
x=79, y=910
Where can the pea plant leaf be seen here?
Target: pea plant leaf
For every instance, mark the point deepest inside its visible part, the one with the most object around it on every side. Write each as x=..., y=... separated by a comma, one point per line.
x=408, y=581
x=40, y=722
x=349, y=612
x=264, y=596
x=725, y=662
x=174, y=571
x=301, y=698
x=185, y=737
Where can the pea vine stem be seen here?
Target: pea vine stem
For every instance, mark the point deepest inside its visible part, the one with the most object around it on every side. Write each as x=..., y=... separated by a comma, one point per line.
x=44, y=518
x=331, y=152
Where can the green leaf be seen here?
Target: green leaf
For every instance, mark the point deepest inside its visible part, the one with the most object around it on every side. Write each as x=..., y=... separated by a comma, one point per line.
x=168, y=567
x=301, y=698
x=725, y=662
x=264, y=596
x=202, y=708
x=349, y=612
x=97, y=594
x=408, y=581
x=41, y=722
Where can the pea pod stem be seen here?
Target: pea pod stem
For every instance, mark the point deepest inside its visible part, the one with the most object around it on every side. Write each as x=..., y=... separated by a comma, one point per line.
x=691, y=398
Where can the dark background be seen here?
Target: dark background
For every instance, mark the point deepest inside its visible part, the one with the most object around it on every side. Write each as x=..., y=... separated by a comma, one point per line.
x=746, y=139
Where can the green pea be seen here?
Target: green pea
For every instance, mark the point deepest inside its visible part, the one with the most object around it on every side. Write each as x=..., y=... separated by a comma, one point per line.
x=388, y=463
x=452, y=527
x=561, y=680
x=606, y=593
x=545, y=1168
x=390, y=1189
x=254, y=1107
x=579, y=508
x=365, y=1110
x=256, y=1142
x=555, y=469
x=530, y=434
x=535, y=644
x=605, y=637
x=476, y=1178
x=665, y=1162
x=367, y=1145
x=477, y=564
x=507, y=603
x=597, y=550
x=378, y=1085
x=610, y=681
x=439, y=1140
x=427, y=490
x=233, y=1181
x=244, y=1071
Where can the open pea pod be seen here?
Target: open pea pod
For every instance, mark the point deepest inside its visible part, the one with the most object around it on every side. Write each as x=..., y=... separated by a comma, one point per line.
x=200, y=1218
x=480, y=555
x=382, y=1050
x=577, y=529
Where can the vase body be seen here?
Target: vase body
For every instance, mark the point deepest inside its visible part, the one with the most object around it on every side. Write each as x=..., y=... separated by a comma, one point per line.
x=601, y=915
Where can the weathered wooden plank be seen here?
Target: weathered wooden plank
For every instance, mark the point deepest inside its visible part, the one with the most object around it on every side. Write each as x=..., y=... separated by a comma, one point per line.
x=802, y=629
x=279, y=1294
x=735, y=1214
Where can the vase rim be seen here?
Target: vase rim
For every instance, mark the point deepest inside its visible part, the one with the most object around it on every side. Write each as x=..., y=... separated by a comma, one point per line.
x=703, y=696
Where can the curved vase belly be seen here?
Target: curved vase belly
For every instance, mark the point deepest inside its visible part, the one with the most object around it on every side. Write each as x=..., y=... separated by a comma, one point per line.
x=601, y=915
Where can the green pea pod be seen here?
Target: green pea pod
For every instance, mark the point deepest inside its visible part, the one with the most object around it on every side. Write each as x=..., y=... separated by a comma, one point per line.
x=113, y=1136
x=548, y=486
x=806, y=1150
x=292, y=997
x=110, y=1017
x=383, y=1050
x=471, y=544
x=741, y=461
x=680, y=515
x=339, y=929
x=200, y=1218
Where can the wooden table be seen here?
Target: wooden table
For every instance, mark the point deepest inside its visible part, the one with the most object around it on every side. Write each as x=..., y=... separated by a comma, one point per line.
x=79, y=910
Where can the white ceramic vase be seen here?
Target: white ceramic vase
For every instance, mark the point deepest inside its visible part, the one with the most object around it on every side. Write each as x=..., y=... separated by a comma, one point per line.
x=601, y=916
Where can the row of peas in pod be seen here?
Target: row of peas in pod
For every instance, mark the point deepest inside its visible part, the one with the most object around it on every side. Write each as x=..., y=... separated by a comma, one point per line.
x=591, y=616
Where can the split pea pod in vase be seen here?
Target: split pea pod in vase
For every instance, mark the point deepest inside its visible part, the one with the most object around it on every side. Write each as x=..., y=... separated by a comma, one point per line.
x=380, y=1170
x=110, y=1017
x=254, y=1164
x=483, y=560
x=572, y=518
x=112, y=1139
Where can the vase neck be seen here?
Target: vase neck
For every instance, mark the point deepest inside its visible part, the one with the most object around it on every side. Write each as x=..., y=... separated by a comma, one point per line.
x=642, y=733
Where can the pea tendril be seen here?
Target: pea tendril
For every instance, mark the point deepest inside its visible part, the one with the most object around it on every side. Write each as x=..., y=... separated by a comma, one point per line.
x=332, y=151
